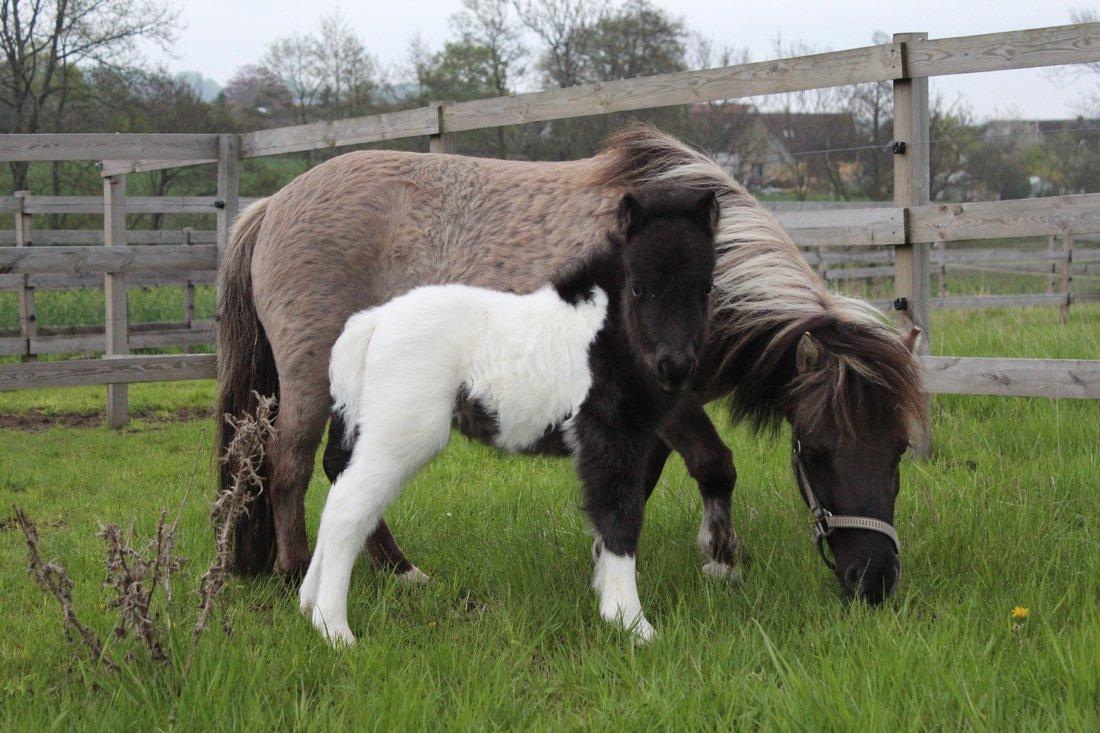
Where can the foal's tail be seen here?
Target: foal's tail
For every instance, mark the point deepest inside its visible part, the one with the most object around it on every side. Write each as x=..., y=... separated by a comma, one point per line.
x=246, y=367
x=347, y=368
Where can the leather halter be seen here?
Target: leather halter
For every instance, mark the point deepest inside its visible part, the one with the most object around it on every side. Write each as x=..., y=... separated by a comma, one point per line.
x=825, y=521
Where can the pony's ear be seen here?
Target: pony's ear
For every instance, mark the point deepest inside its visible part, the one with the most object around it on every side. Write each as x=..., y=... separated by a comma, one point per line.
x=808, y=354
x=705, y=211
x=631, y=214
x=912, y=340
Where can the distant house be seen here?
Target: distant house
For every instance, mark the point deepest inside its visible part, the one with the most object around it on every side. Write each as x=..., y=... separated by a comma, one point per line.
x=736, y=136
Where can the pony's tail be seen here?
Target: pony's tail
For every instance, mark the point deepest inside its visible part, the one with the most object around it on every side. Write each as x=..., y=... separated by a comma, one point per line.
x=347, y=368
x=246, y=368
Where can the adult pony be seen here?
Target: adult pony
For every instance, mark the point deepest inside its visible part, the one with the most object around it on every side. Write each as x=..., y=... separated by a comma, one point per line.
x=601, y=355
x=367, y=226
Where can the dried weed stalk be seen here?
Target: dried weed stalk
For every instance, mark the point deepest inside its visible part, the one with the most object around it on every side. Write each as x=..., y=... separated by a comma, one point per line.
x=56, y=582
x=134, y=578
x=245, y=457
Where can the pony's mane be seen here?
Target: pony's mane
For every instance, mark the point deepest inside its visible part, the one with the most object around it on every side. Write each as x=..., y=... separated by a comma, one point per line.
x=766, y=297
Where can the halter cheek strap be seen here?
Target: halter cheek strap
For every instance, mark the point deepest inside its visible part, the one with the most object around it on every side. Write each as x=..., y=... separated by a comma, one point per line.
x=825, y=521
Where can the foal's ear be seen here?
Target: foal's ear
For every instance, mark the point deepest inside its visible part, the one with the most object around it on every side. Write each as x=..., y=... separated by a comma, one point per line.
x=705, y=211
x=631, y=214
x=808, y=354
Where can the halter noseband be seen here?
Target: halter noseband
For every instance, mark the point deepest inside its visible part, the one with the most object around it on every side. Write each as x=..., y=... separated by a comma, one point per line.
x=825, y=521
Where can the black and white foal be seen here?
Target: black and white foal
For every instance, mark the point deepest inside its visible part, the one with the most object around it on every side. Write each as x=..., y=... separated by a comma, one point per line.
x=600, y=355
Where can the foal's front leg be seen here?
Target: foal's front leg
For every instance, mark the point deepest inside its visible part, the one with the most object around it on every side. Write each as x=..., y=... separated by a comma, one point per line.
x=610, y=469
x=691, y=434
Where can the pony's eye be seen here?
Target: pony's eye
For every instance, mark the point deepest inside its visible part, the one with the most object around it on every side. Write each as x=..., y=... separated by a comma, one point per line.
x=636, y=289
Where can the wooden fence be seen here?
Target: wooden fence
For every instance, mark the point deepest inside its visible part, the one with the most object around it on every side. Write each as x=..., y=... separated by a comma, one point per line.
x=912, y=226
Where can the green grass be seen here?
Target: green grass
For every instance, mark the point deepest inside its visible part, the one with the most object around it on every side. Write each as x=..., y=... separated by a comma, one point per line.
x=507, y=634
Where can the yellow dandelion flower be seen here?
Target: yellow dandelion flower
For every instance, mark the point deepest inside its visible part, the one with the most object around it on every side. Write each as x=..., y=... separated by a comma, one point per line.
x=1020, y=613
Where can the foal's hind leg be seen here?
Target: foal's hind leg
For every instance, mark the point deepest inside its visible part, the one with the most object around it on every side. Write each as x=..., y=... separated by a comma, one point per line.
x=710, y=463
x=381, y=545
x=385, y=457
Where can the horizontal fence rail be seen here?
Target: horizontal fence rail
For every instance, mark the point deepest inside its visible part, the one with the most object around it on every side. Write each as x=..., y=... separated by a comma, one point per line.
x=1068, y=44
x=1061, y=378
x=919, y=234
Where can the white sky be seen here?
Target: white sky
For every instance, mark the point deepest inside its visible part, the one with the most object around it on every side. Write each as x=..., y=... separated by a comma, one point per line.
x=222, y=35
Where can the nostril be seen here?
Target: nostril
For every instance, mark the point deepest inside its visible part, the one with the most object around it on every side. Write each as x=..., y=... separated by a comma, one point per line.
x=852, y=578
x=665, y=367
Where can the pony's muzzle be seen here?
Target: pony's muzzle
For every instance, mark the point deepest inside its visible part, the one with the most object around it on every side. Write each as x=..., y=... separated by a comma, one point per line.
x=872, y=580
x=674, y=369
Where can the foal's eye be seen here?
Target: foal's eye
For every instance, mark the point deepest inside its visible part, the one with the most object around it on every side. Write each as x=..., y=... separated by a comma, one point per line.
x=636, y=289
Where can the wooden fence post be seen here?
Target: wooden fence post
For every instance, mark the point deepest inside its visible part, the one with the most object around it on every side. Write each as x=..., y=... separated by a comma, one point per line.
x=942, y=247
x=911, y=187
x=114, y=291
x=1053, y=265
x=28, y=318
x=228, y=190
x=442, y=142
x=188, y=294
x=1067, y=275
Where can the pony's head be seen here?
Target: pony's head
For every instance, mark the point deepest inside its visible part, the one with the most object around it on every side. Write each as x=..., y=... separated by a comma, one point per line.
x=666, y=241
x=852, y=404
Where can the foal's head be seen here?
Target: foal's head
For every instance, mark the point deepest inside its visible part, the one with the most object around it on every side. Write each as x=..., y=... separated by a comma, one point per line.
x=667, y=248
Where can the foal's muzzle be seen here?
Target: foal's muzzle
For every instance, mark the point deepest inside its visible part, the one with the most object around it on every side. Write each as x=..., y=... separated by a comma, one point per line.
x=675, y=369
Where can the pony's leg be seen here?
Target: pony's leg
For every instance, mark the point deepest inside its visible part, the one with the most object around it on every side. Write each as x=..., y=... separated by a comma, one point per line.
x=385, y=457
x=300, y=422
x=655, y=465
x=710, y=463
x=609, y=468
x=381, y=545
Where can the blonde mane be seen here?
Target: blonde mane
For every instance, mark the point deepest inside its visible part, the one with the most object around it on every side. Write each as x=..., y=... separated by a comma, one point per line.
x=766, y=297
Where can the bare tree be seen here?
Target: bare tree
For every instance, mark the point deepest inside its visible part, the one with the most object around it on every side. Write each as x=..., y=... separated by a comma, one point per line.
x=294, y=61
x=346, y=70
x=561, y=26
x=44, y=41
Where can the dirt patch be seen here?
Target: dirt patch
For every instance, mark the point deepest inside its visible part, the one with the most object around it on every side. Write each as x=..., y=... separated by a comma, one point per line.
x=36, y=420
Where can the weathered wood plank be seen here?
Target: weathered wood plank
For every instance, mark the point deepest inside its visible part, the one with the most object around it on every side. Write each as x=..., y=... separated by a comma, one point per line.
x=997, y=301
x=95, y=236
x=1063, y=44
x=1065, y=378
x=836, y=68
x=134, y=205
x=912, y=279
x=122, y=167
x=842, y=227
x=112, y=370
x=354, y=131
x=103, y=146
x=144, y=258
x=28, y=316
x=95, y=282
x=117, y=316
x=1015, y=218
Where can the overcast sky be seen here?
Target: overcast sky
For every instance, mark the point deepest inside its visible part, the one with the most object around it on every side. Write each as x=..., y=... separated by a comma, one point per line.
x=222, y=35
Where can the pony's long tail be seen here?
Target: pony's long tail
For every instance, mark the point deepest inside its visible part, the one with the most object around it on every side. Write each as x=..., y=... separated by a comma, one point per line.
x=246, y=367
x=347, y=368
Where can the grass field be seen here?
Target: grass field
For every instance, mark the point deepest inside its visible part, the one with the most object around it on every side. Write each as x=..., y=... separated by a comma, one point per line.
x=507, y=634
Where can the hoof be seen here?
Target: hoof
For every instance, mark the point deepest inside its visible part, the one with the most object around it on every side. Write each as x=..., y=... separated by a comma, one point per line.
x=642, y=632
x=720, y=571
x=293, y=571
x=337, y=633
x=415, y=576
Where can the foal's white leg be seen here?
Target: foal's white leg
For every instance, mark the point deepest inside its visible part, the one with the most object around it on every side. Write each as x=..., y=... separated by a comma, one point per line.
x=381, y=464
x=617, y=585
